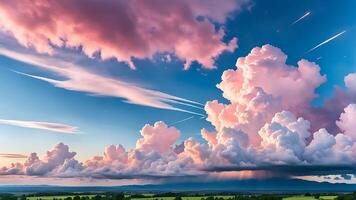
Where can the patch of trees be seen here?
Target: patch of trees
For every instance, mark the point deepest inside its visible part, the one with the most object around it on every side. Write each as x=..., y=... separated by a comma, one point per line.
x=41, y=194
x=168, y=194
x=246, y=197
x=136, y=196
x=106, y=196
x=347, y=196
x=7, y=197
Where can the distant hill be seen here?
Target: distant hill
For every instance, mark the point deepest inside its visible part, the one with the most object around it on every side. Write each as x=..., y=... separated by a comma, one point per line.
x=273, y=185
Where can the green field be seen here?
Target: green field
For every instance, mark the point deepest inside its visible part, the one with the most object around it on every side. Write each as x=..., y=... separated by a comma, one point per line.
x=147, y=198
x=226, y=197
x=171, y=198
x=310, y=198
x=57, y=197
x=184, y=198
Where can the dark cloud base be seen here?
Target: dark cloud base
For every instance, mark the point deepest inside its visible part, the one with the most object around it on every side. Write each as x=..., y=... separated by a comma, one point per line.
x=292, y=170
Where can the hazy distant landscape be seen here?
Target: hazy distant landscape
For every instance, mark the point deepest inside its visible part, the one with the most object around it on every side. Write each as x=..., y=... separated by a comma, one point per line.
x=174, y=196
x=244, y=190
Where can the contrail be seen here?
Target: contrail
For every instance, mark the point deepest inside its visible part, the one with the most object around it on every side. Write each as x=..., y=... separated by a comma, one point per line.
x=180, y=121
x=326, y=41
x=302, y=17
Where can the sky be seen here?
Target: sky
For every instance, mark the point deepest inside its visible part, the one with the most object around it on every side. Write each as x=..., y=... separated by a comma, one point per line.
x=115, y=92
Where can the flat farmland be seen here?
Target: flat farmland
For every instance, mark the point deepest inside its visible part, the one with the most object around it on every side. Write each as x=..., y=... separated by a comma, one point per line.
x=149, y=197
x=57, y=197
x=184, y=198
x=310, y=198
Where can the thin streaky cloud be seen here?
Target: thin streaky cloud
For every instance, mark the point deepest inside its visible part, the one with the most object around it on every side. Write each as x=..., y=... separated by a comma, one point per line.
x=13, y=155
x=326, y=41
x=180, y=121
x=77, y=78
x=48, y=126
x=55, y=82
x=301, y=18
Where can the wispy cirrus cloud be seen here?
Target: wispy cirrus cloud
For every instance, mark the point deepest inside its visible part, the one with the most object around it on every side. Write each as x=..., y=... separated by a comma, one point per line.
x=77, y=78
x=48, y=126
x=13, y=155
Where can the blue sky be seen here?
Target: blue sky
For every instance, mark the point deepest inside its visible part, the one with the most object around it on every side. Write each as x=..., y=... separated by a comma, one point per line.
x=103, y=121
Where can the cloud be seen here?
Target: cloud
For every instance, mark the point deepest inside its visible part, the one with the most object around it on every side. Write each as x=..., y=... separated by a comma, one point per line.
x=347, y=176
x=54, y=161
x=289, y=170
x=124, y=30
x=261, y=130
x=326, y=115
x=77, y=78
x=350, y=82
x=262, y=85
x=347, y=121
x=12, y=155
x=55, y=127
x=284, y=150
x=152, y=137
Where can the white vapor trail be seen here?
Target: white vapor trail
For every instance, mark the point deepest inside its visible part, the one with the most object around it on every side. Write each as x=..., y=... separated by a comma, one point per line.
x=326, y=41
x=302, y=17
x=183, y=120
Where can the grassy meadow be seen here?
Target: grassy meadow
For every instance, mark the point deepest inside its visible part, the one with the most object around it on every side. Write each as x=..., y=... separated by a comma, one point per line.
x=310, y=198
x=150, y=197
x=57, y=197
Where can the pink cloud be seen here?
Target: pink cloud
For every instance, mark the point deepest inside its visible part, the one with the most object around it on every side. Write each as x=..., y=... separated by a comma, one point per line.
x=266, y=68
x=123, y=29
x=262, y=85
x=350, y=82
x=12, y=155
x=284, y=141
x=325, y=116
x=54, y=159
x=152, y=137
x=347, y=122
x=261, y=127
x=47, y=126
x=209, y=137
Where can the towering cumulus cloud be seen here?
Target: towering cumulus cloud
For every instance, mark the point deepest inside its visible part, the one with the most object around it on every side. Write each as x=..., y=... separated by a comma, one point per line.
x=263, y=127
x=262, y=85
x=123, y=29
